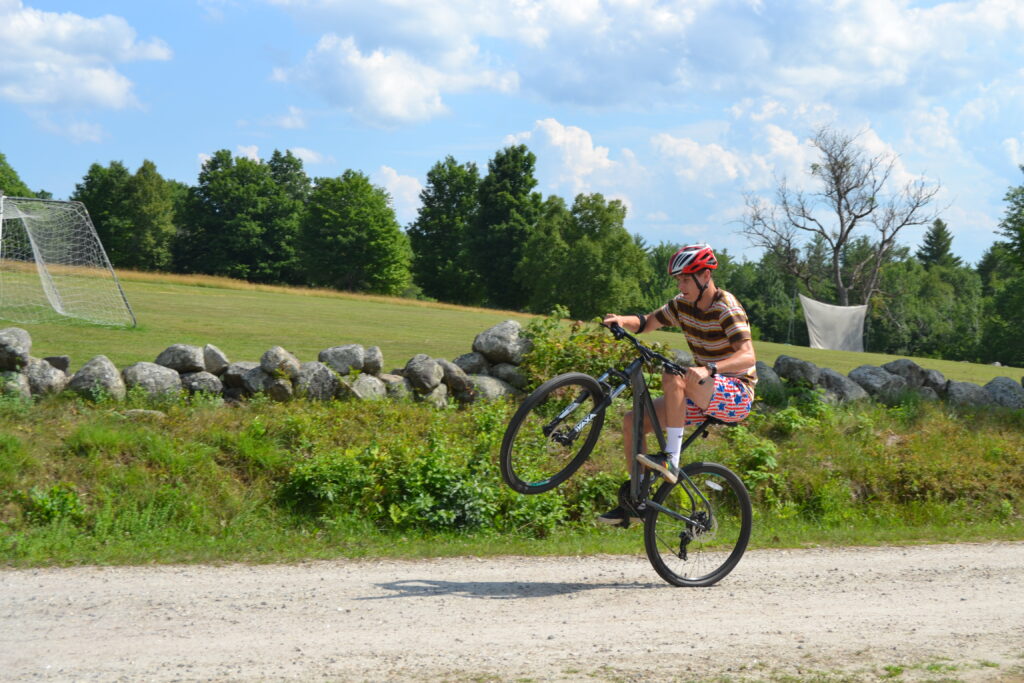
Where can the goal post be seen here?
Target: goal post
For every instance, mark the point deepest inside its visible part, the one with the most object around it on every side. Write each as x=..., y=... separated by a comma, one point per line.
x=53, y=266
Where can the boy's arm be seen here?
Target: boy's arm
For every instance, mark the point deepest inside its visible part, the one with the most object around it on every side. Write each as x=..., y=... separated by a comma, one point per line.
x=632, y=322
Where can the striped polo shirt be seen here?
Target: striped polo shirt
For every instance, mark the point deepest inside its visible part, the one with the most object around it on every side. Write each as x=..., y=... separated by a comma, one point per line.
x=714, y=334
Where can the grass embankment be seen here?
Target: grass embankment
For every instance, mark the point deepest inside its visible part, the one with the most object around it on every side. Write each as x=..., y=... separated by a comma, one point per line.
x=82, y=483
x=244, y=320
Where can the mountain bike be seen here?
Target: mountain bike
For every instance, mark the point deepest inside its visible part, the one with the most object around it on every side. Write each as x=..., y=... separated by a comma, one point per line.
x=695, y=531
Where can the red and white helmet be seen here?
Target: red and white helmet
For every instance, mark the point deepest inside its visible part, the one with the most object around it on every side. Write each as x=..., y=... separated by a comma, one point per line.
x=691, y=259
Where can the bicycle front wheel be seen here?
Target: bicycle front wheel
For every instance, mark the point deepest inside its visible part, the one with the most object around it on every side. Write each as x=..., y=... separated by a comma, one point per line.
x=706, y=529
x=552, y=433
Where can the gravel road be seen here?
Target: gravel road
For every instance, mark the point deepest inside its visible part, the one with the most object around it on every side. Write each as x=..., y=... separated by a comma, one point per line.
x=949, y=612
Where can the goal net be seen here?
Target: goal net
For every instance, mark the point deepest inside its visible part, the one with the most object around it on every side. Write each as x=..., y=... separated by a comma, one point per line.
x=52, y=266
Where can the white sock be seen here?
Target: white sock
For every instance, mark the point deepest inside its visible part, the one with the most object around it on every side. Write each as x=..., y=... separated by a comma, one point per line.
x=673, y=442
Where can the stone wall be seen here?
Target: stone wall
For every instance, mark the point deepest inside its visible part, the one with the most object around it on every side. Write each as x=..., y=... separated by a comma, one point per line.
x=488, y=371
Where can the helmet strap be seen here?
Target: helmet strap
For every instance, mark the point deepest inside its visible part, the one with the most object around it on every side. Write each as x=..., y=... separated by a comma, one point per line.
x=699, y=287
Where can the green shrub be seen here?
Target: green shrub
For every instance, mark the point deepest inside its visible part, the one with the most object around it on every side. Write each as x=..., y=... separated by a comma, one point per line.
x=45, y=506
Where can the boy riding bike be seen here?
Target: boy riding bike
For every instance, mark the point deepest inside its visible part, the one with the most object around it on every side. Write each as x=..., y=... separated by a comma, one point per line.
x=718, y=334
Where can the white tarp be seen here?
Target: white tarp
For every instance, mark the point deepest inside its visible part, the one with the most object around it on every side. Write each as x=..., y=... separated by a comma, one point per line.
x=840, y=328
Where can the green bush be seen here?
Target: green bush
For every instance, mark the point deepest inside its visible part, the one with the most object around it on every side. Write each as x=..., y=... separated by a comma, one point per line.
x=45, y=506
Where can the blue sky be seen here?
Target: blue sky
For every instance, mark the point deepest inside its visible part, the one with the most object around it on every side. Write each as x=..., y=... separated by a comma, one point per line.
x=676, y=107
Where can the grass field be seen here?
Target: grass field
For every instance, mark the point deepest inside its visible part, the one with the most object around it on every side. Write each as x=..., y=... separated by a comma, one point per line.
x=244, y=320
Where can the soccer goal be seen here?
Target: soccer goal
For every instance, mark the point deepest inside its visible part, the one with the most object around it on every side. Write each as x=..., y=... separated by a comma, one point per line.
x=52, y=266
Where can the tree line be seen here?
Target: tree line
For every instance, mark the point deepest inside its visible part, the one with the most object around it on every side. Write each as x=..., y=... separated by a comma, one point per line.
x=487, y=237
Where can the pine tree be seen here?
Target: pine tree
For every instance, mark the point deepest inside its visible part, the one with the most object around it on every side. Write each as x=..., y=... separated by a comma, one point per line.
x=935, y=250
x=10, y=182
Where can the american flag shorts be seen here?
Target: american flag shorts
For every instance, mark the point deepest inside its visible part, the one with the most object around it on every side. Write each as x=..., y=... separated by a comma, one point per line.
x=730, y=402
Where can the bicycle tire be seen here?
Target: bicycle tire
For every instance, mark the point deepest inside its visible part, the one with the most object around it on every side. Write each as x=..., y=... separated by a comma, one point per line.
x=533, y=461
x=693, y=555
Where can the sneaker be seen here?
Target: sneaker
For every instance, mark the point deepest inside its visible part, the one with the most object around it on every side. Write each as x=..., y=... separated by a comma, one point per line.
x=662, y=463
x=619, y=517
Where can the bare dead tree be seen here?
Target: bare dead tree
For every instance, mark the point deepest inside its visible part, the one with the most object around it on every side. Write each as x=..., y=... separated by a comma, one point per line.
x=854, y=195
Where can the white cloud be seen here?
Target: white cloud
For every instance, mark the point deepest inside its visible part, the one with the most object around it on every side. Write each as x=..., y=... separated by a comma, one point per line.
x=1014, y=150
x=308, y=156
x=388, y=86
x=295, y=118
x=579, y=158
x=706, y=164
x=76, y=131
x=249, y=151
x=404, y=190
x=49, y=59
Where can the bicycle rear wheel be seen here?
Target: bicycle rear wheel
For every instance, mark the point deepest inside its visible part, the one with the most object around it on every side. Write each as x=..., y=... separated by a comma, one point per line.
x=706, y=544
x=552, y=433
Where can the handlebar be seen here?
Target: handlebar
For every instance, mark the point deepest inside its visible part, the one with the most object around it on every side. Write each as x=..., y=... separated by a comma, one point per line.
x=649, y=354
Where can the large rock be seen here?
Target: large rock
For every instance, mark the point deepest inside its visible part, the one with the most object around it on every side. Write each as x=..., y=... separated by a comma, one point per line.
x=797, y=370
x=936, y=381
x=182, y=358
x=768, y=381
x=473, y=363
x=908, y=370
x=880, y=384
x=839, y=388
x=454, y=377
x=503, y=343
x=43, y=378
x=424, y=373
x=487, y=388
x=397, y=387
x=255, y=380
x=14, y=383
x=510, y=374
x=234, y=374
x=967, y=394
x=373, y=360
x=279, y=362
x=157, y=380
x=15, y=346
x=97, y=378
x=279, y=389
x=343, y=359
x=1005, y=392
x=316, y=382
x=438, y=397
x=202, y=382
x=365, y=388
x=214, y=360
x=62, y=363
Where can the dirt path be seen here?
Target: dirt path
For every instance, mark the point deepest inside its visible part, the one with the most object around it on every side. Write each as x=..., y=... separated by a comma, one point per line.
x=953, y=611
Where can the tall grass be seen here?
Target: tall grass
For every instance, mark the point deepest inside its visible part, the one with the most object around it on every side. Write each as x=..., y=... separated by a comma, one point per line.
x=83, y=483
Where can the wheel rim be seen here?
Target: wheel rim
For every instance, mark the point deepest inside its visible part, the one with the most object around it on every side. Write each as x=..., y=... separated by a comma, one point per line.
x=715, y=537
x=544, y=446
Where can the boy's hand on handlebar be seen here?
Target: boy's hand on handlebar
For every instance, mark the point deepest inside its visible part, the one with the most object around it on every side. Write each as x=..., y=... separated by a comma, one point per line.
x=620, y=320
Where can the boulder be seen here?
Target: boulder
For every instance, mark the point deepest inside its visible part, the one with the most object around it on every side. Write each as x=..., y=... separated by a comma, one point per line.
x=255, y=380
x=373, y=361
x=438, y=397
x=423, y=372
x=62, y=363
x=487, y=388
x=503, y=343
x=98, y=377
x=202, y=382
x=839, y=387
x=365, y=388
x=967, y=394
x=182, y=357
x=1005, y=392
x=454, y=376
x=43, y=378
x=768, y=381
x=234, y=374
x=279, y=389
x=316, y=382
x=214, y=360
x=157, y=380
x=397, y=387
x=908, y=370
x=796, y=370
x=880, y=384
x=510, y=374
x=936, y=381
x=343, y=359
x=15, y=346
x=926, y=394
x=14, y=383
x=278, y=362
x=473, y=363
x=682, y=357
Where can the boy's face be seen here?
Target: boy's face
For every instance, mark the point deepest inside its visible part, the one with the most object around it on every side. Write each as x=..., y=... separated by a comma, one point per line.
x=688, y=288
